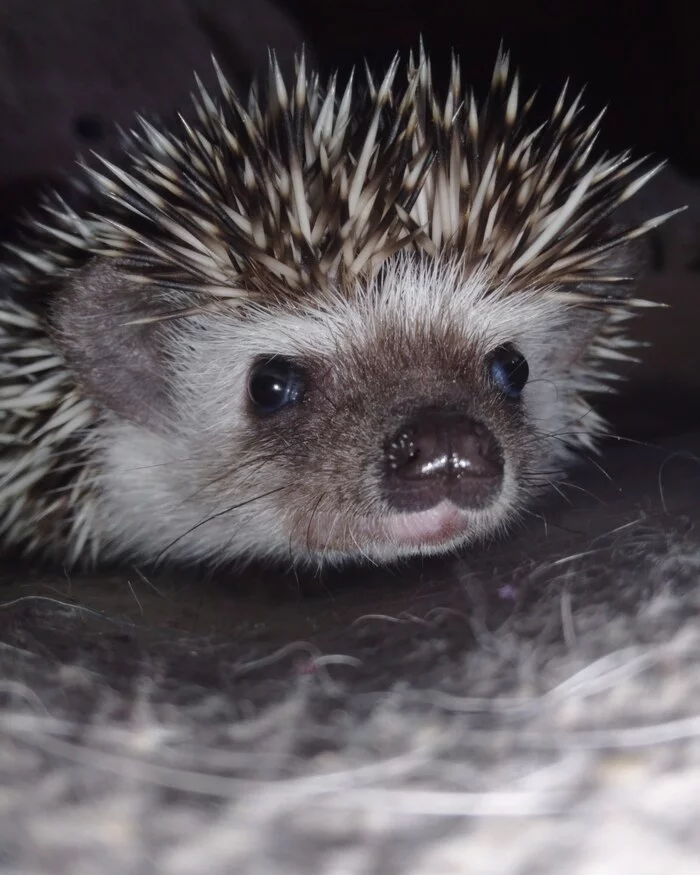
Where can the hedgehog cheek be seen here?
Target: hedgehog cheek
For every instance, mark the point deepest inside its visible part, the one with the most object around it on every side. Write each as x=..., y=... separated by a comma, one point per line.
x=119, y=365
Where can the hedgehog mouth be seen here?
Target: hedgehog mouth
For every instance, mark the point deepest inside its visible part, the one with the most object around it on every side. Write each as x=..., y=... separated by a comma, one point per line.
x=424, y=531
x=433, y=527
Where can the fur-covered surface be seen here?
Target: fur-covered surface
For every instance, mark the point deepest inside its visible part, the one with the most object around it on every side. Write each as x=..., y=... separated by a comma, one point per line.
x=529, y=707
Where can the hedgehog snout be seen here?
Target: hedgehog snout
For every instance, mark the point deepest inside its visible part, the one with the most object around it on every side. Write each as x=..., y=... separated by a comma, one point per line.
x=442, y=455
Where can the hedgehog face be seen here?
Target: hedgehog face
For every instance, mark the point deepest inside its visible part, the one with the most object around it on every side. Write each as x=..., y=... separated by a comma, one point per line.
x=410, y=414
x=335, y=323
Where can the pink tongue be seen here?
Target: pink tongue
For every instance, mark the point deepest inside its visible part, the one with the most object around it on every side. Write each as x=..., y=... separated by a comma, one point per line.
x=432, y=526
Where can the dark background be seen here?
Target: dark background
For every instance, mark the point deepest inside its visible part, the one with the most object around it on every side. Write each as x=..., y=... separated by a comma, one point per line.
x=640, y=57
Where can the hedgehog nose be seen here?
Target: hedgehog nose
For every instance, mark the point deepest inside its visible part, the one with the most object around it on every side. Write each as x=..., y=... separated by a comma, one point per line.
x=438, y=456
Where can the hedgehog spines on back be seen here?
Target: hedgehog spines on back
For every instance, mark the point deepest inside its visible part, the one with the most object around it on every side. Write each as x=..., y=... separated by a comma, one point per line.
x=322, y=187
x=297, y=189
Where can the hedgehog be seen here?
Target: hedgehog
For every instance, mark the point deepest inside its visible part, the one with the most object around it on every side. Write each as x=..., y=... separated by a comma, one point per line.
x=334, y=322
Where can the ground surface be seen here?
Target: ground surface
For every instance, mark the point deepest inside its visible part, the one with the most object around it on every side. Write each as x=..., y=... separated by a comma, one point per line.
x=530, y=707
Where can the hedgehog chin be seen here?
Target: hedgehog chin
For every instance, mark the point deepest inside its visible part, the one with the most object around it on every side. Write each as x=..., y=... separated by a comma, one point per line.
x=435, y=527
x=404, y=535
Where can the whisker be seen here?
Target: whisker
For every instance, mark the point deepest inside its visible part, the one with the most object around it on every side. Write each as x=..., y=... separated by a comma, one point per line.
x=562, y=435
x=330, y=535
x=217, y=515
x=577, y=488
x=311, y=519
x=254, y=463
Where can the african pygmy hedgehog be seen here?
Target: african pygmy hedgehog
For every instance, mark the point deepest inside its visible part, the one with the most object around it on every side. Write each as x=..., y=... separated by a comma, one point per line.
x=325, y=325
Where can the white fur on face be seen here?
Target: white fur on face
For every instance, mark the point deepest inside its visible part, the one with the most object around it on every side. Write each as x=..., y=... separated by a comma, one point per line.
x=210, y=489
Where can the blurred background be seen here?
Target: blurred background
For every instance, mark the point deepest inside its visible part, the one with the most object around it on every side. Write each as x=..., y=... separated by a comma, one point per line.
x=71, y=71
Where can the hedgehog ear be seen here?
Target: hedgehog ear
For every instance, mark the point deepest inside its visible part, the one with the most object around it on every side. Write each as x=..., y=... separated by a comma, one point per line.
x=118, y=364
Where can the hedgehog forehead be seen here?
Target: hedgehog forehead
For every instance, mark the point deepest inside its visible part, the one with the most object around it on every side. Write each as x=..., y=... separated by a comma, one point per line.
x=408, y=299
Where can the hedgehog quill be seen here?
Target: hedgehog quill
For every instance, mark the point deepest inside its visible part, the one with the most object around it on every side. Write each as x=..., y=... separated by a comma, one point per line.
x=329, y=323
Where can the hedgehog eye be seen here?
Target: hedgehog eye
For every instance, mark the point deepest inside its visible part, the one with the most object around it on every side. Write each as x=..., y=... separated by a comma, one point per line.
x=275, y=383
x=509, y=370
